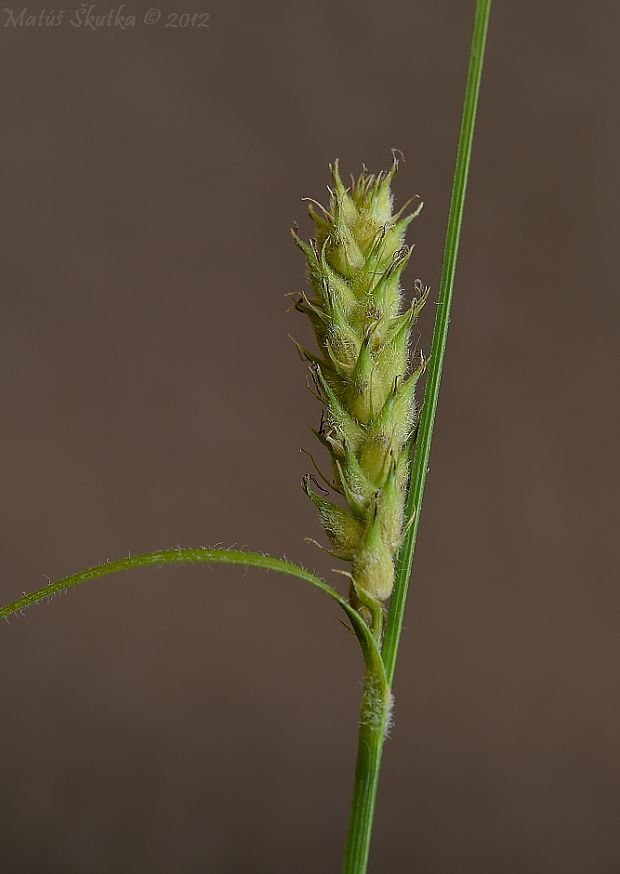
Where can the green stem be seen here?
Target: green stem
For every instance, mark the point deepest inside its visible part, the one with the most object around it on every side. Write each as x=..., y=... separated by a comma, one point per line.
x=371, y=736
x=200, y=555
x=419, y=468
x=369, y=748
x=181, y=555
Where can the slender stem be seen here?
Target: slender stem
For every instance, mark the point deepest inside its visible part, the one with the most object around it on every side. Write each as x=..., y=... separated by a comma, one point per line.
x=180, y=555
x=369, y=749
x=198, y=555
x=422, y=448
x=371, y=737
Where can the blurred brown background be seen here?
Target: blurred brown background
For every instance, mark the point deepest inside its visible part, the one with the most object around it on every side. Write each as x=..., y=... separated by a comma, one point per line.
x=192, y=720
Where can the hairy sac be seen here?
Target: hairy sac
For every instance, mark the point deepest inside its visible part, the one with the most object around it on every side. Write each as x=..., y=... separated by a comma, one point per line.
x=362, y=372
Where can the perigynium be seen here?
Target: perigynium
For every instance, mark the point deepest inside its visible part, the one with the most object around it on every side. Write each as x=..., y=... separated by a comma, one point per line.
x=362, y=374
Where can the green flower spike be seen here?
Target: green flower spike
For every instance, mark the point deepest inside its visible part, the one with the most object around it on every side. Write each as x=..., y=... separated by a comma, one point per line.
x=362, y=374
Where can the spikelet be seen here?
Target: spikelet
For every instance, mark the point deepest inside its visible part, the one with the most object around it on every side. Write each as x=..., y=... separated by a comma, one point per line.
x=362, y=373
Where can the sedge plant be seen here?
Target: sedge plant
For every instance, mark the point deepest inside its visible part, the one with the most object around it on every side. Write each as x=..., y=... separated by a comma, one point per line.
x=377, y=439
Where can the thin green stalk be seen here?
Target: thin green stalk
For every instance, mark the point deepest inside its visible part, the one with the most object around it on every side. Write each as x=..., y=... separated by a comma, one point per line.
x=422, y=449
x=369, y=749
x=200, y=555
x=371, y=740
x=161, y=557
